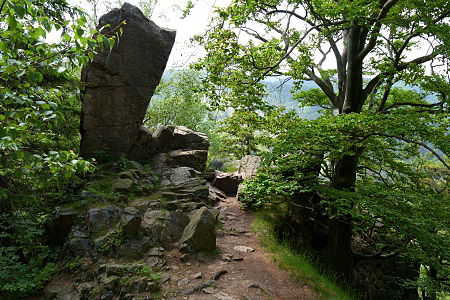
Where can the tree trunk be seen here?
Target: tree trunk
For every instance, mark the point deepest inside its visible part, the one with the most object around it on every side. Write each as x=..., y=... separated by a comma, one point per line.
x=338, y=250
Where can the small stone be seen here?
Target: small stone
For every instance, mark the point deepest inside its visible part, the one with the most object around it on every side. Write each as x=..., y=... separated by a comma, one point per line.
x=152, y=287
x=202, y=257
x=243, y=249
x=246, y=297
x=208, y=290
x=184, y=258
x=247, y=234
x=197, y=275
x=226, y=257
x=223, y=296
x=110, y=283
x=122, y=185
x=157, y=251
x=189, y=291
x=165, y=279
x=183, y=281
x=107, y=296
x=219, y=274
x=155, y=261
x=255, y=286
x=175, y=267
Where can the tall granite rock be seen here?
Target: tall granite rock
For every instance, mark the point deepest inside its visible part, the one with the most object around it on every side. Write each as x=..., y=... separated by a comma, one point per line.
x=118, y=84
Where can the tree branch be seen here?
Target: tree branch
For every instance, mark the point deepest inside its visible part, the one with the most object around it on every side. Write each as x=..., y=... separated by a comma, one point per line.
x=413, y=104
x=412, y=142
x=376, y=29
x=324, y=87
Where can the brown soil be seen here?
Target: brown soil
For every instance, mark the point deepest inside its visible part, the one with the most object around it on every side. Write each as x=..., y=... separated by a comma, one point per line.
x=254, y=277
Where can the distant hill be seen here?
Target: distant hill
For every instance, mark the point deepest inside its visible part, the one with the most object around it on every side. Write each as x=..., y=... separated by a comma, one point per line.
x=279, y=93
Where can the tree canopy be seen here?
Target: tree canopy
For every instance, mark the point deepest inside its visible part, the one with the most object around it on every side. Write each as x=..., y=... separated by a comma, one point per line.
x=381, y=68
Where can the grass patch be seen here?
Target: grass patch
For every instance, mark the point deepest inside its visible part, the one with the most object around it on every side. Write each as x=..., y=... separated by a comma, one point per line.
x=302, y=270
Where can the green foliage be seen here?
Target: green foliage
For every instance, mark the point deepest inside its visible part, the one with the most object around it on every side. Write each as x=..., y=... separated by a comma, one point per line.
x=378, y=154
x=179, y=102
x=396, y=174
x=148, y=272
x=39, y=107
x=102, y=187
x=26, y=264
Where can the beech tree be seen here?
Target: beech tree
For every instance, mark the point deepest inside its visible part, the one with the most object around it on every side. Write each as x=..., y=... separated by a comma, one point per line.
x=356, y=52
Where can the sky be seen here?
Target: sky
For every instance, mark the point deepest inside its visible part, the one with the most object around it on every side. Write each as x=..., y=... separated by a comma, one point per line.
x=168, y=14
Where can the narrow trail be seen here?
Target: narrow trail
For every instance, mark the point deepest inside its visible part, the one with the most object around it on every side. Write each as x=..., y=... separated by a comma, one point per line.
x=239, y=274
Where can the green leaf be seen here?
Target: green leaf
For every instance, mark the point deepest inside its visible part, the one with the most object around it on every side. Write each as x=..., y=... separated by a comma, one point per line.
x=39, y=32
x=12, y=23
x=20, y=11
x=82, y=21
x=79, y=32
x=35, y=76
x=3, y=46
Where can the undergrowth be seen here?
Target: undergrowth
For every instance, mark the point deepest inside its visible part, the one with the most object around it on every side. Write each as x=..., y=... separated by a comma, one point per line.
x=301, y=269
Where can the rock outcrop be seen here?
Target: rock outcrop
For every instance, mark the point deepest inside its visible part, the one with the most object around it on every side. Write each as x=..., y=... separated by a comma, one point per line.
x=172, y=146
x=139, y=209
x=119, y=83
x=199, y=235
x=227, y=182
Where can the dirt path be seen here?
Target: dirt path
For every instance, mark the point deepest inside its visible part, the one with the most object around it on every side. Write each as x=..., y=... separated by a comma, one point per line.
x=239, y=275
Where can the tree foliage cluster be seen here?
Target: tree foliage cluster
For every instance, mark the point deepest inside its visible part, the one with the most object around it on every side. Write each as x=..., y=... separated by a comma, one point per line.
x=39, y=113
x=373, y=169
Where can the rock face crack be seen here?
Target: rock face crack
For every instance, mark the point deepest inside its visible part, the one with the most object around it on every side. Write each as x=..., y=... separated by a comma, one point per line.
x=118, y=84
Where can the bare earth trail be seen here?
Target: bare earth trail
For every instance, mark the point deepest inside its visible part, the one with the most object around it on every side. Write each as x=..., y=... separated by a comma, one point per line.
x=240, y=275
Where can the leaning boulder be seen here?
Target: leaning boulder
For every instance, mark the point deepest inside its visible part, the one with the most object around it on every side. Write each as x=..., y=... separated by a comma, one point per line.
x=184, y=138
x=200, y=234
x=164, y=227
x=119, y=83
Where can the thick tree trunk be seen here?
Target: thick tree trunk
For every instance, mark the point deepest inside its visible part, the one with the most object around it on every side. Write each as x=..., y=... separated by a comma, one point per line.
x=338, y=250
